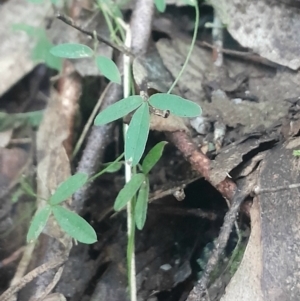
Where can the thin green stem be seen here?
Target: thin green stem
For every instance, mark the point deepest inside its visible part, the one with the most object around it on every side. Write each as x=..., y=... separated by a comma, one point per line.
x=108, y=15
x=131, y=248
x=109, y=24
x=105, y=169
x=120, y=29
x=128, y=174
x=190, y=49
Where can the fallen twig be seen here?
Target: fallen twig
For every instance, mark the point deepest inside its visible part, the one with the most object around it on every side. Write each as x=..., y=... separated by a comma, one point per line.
x=30, y=276
x=91, y=34
x=69, y=89
x=243, y=190
x=14, y=256
x=200, y=162
x=258, y=190
x=98, y=139
x=240, y=54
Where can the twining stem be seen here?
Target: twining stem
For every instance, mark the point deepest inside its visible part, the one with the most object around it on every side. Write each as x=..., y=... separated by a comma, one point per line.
x=190, y=49
x=108, y=15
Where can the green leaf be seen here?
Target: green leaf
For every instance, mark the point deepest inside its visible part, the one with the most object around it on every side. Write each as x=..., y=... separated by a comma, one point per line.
x=41, y=53
x=128, y=191
x=16, y=195
x=38, y=223
x=137, y=135
x=175, y=104
x=296, y=153
x=72, y=51
x=141, y=205
x=108, y=69
x=153, y=156
x=118, y=109
x=32, y=31
x=111, y=7
x=27, y=188
x=112, y=166
x=8, y=121
x=74, y=225
x=160, y=5
x=33, y=118
x=68, y=187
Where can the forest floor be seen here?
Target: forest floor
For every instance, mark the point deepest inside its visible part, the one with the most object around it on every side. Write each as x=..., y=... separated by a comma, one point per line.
x=222, y=214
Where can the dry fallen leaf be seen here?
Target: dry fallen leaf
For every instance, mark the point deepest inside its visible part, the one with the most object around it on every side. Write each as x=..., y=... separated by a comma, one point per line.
x=53, y=168
x=273, y=32
x=169, y=124
x=53, y=162
x=15, y=50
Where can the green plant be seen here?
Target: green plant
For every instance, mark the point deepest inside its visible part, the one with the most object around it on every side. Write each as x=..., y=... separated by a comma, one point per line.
x=296, y=152
x=135, y=192
x=40, y=52
x=70, y=222
x=8, y=121
x=139, y=184
x=76, y=51
x=160, y=5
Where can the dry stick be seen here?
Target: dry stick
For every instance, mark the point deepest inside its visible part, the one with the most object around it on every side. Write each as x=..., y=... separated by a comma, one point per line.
x=257, y=190
x=14, y=256
x=51, y=285
x=30, y=276
x=200, y=162
x=201, y=288
x=240, y=54
x=141, y=26
x=23, y=264
x=98, y=139
x=100, y=38
x=217, y=35
x=69, y=88
x=227, y=188
x=90, y=120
